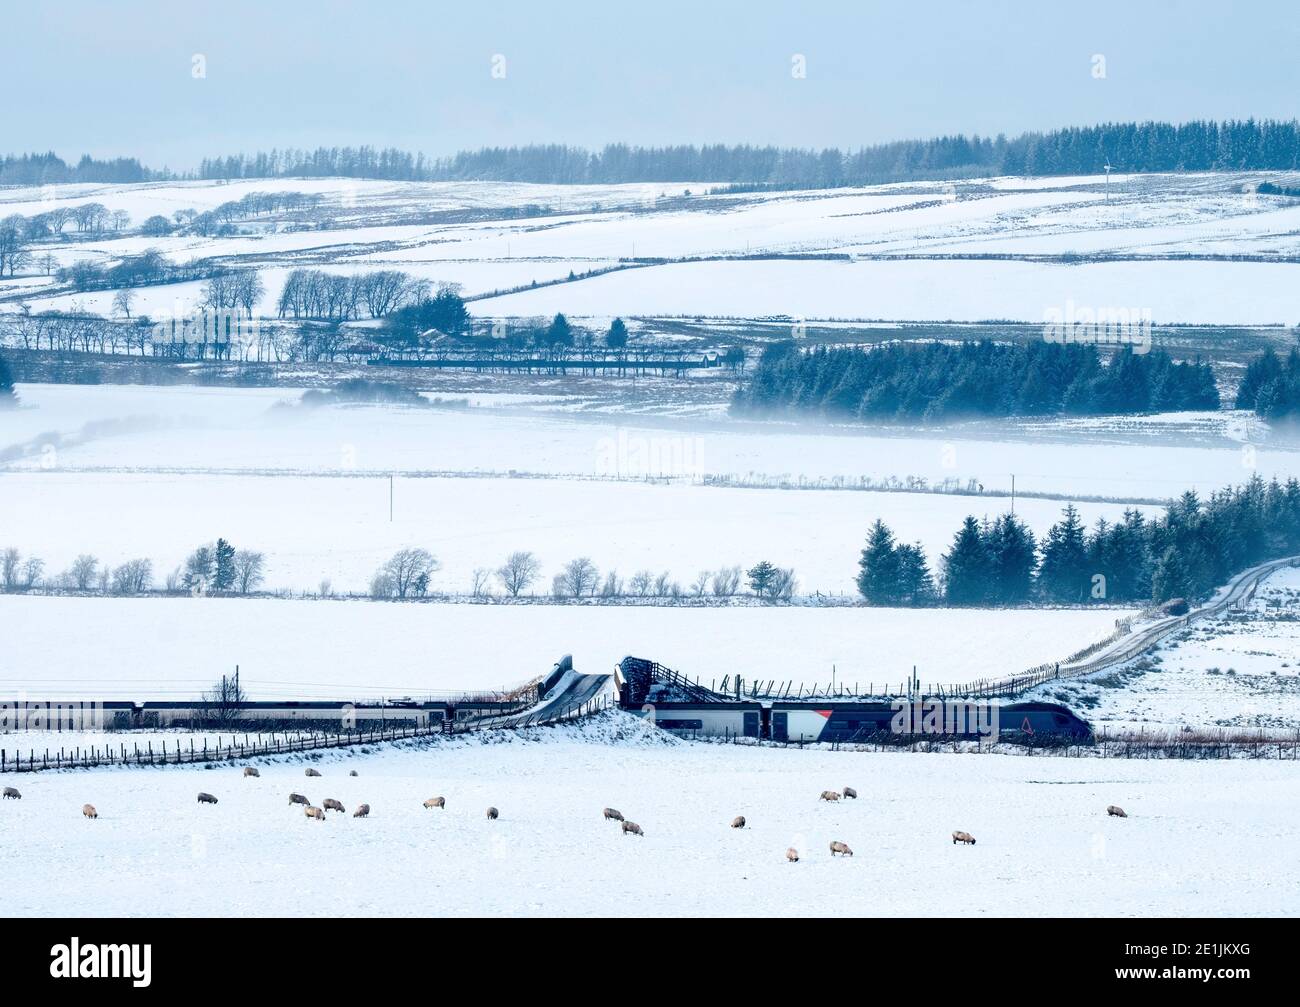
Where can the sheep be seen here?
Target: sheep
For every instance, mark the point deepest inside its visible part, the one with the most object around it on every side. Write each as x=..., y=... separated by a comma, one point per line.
x=792, y=855
x=363, y=811
x=312, y=812
x=436, y=802
x=829, y=795
x=205, y=798
x=841, y=848
x=632, y=829
x=963, y=837
x=612, y=814
x=313, y=772
x=738, y=822
x=332, y=805
x=89, y=811
x=492, y=814
x=12, y=794
x=298, y=799
x=1115, y=811
x=250, y=771
x=850, y=792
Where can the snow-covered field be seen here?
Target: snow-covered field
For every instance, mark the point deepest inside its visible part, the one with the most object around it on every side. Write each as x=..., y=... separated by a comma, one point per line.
x=194, y=429
x=1249, y=293
x=481, y=243
x=1240, y=670
x=161, y=648
x=1193, y=844
x=338, y=529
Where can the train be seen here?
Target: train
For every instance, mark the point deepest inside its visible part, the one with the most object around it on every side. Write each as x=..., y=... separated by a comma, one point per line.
x=848, y=722
x=326, y=715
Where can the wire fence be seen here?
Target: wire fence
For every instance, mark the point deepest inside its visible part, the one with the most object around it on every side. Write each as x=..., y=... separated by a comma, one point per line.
x=251, y=746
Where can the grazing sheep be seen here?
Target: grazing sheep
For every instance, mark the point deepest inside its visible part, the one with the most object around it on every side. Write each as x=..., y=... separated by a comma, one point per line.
x=841, y=848
x=612, y=814
x=492, y=814
x=963, y=837
x=333, y=805
x=313, y=772
x=362, y=811
x=1115, y=811
x=315, y=813
x=436, y=802
x=792, y=855
x=89, y=811
x=850, y=792
x=250, y=771
x=298, y=799
x=12, y=794
x=352, y=772
x=632, y=829
x=738, y=822
x=829, y=795
x=206, y=799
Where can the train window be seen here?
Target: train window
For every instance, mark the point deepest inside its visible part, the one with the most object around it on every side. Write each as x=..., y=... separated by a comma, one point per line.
x=1061, y=718
x=680, y=725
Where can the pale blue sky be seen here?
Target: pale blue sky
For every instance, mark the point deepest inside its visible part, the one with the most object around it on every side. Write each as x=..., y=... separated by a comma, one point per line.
x=115, y=78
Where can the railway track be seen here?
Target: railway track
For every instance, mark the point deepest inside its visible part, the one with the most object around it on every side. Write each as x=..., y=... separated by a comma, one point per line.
x=1238, y=591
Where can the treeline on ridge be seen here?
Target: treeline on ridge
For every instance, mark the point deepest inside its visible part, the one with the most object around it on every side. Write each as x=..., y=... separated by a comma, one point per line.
x=1200, y=145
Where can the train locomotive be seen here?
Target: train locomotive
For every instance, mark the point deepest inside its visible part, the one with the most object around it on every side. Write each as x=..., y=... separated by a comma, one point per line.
x=675, y=704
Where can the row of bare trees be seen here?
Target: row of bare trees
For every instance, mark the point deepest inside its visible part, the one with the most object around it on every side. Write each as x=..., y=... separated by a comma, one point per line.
x=408, y=573
x=220, y=568
x=314, y=293
x=19, y=574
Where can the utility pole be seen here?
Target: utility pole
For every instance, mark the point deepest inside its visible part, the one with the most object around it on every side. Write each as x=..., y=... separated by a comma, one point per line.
x=1013, y=493
x=1107, y=168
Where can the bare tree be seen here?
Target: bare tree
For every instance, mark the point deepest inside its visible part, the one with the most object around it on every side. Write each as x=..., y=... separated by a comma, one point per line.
x=32, y=571
x=479, y=582
x=701, y=583
x=9, y=561
x=518, y=573
x=122, y=301
x=132, y=577
x=641, y=583
x=578, y=579
x=249, y=569
x=224, y=702
x=613, y=586
x=248, y=289
x=407, y=573
x=82, y=573
x=783, y=585
x=726, y=582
